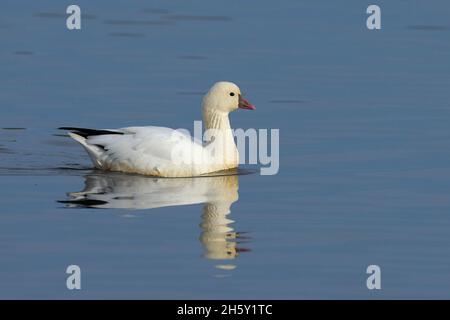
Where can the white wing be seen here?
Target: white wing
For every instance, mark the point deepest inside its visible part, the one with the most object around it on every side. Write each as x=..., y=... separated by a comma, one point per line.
x=157, y=151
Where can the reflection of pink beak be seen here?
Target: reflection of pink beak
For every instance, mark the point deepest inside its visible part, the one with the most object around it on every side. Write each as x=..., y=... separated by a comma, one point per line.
x=244, y=104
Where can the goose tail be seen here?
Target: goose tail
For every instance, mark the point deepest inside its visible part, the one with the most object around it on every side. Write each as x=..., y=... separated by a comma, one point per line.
x=95, y=152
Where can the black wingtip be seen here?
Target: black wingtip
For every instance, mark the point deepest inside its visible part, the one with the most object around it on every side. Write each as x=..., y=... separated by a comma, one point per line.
x=85, y=132
x=84, y=203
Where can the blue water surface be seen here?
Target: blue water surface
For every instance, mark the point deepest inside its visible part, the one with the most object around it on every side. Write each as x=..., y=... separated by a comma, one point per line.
x=364, y=150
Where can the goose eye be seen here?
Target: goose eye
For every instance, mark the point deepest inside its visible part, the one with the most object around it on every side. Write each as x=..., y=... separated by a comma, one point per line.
x=232, y=94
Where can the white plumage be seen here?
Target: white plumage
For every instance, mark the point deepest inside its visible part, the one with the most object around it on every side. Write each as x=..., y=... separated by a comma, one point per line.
x=165, y=152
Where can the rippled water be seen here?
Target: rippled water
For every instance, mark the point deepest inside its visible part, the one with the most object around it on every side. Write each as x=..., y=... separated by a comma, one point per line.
x=365, y=147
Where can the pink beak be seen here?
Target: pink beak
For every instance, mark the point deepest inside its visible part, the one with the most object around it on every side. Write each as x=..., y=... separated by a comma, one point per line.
x=244, y=104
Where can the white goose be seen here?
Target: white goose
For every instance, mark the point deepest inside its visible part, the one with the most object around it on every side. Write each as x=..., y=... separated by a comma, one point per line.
x=165, y=152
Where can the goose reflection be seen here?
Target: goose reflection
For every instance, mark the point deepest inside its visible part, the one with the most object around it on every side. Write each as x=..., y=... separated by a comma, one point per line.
x=217, y=193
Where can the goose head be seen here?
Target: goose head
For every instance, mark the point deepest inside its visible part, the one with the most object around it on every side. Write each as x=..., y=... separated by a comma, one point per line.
x=225, y=97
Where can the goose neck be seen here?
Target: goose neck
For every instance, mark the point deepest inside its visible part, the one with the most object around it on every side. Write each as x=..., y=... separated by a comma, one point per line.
x=216, y=120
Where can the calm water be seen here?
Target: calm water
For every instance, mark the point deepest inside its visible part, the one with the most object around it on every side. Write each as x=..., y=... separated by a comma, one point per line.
x=365, y=148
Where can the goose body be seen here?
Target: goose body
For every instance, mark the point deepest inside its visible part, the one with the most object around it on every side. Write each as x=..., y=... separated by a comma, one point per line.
x=165, y=152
